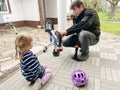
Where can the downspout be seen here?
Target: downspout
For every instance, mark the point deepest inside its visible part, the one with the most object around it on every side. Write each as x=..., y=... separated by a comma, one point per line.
x=42, y=13
x=44, y=9
x=62, y=14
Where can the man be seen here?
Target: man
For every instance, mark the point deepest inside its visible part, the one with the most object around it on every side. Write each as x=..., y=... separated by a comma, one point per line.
x=85, y=31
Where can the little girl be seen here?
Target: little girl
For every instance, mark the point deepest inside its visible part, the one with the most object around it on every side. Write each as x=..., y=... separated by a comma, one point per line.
x=31, y=69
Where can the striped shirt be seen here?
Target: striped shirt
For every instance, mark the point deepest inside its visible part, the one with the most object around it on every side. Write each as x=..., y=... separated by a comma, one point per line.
x=30, y=67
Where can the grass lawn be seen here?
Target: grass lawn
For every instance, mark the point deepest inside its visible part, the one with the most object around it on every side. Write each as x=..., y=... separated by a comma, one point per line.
x=104, y=16
x=107, y=26
x=117, y=15
x=111, y=27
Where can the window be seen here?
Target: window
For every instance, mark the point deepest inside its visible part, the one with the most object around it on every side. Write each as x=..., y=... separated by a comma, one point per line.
x=4, y=6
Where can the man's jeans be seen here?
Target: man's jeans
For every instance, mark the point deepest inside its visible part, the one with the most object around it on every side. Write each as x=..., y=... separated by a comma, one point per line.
x=84, y=39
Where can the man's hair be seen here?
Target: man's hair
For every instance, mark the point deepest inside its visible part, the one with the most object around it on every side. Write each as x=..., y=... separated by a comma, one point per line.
x=76, y=3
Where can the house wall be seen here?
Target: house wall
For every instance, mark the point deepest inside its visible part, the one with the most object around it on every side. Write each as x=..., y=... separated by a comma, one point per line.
x=16, y=10
x=30, y=10
x=24, y=10
x=51, y=9
x=24, y=13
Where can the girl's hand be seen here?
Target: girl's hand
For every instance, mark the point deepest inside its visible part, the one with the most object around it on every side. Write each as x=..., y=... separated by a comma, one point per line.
x=44, y=66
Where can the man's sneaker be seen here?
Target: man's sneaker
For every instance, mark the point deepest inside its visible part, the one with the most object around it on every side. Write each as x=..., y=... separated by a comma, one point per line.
x=75, y=58
x=80, y=50
x=84, y=56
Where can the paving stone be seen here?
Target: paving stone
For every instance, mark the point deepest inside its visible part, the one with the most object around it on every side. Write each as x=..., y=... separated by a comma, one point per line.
x=115, y=75
x=109, y=85
x=108, y=74
x=90, y=85
x=109, y=63
x=102, y=72
x=116, y=45
x=118, y=73
x=62, y=83
x=95, y=49
x=117, y=51
x=94, y=54
x=102, y=67
x=56, y=87
x=110, y=50
x=67, y=80
x=77, y=65
x=90, y=70
x=76, y=88
x=118, y=56
x=68, y=66
x=25, y=88
x=8, y=53
x=1, y=57
x=82, y=88
x=7, y=66
x=69, y=89
x=1, y=73
x=37, y=49
x=110, y=56
x=5, y=59
x=62, y=88
x=106, y=45
x=20, y=86
x=93, y=61
x=97, y=84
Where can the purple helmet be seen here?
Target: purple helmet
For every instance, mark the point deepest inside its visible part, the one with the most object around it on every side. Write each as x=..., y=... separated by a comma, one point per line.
x=79, y=78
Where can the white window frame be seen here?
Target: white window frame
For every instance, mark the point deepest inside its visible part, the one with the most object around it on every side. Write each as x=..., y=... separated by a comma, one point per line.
x=6, y=5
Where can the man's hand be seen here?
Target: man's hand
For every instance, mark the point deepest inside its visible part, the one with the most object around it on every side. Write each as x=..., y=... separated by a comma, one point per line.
x=63, y=33
x=82, y=30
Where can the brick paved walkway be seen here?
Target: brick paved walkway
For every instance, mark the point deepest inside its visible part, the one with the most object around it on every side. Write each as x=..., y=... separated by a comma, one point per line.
x=102, y=68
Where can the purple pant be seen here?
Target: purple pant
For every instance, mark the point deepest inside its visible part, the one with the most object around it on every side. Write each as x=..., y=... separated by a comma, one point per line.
x=47, y=74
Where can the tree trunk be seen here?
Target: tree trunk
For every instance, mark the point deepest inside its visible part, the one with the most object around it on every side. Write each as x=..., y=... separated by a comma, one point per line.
x=113, y=9
x=113, y=4
x=98, y=5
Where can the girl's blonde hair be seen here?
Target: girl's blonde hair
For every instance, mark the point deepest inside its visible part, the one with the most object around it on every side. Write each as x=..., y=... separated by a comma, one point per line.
x=22, y=42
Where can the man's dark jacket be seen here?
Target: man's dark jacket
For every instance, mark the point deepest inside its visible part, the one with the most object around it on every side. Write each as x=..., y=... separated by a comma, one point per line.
x=88, y=20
